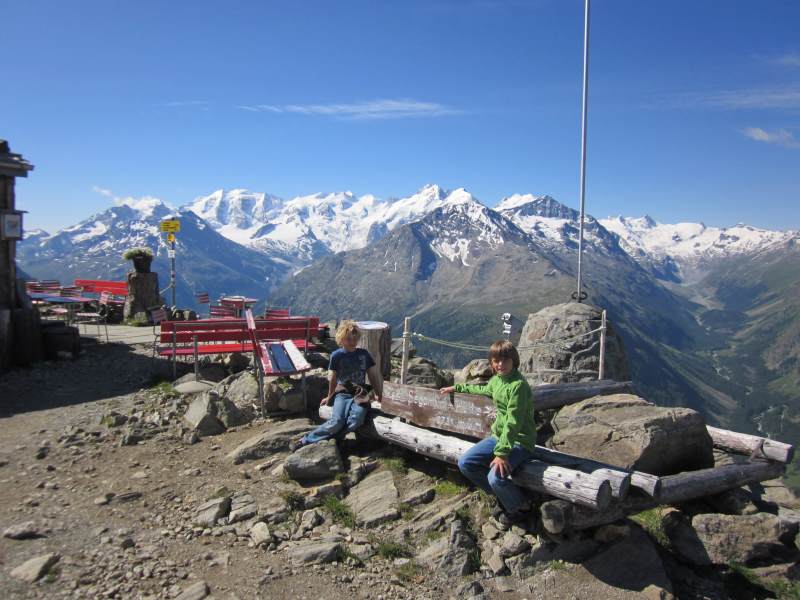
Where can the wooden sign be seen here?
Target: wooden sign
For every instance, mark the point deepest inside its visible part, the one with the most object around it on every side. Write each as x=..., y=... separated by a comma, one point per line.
x=467, y=414
x=173, y=226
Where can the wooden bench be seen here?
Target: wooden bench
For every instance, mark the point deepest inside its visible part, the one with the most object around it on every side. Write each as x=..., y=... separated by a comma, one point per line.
x=117, y=289
x=275, y=358
x=224, y=336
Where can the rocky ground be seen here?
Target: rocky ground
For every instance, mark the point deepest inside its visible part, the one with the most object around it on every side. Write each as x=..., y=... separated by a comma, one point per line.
x=114, y=484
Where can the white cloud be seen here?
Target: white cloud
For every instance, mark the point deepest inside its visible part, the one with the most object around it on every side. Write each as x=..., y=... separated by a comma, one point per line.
x=145, y=204
x=787, y=60
x=780, y=137
x=186, y=103
x=361, y=111
x=787, y=97
x=102, y=191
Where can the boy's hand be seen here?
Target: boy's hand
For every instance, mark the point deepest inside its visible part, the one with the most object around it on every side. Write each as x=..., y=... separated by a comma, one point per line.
x=447, y=390
x=324, y=401
x=502, y=465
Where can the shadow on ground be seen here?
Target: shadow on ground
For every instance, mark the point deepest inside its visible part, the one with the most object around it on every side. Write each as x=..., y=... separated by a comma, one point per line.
x=102, y=371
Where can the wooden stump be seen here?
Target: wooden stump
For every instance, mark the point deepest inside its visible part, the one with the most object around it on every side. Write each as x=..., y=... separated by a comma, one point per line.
x=376, y=338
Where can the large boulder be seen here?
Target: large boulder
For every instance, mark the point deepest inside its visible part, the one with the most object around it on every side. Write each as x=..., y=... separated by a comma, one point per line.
x=210, y=414
x=315, y=461
x=374, y=500
x=577, y=358
x=629, y=432
x=276, y=438
x=716, y=539
x=425, y=373
x=452, y=555
x=477, y=372
x=241, y=389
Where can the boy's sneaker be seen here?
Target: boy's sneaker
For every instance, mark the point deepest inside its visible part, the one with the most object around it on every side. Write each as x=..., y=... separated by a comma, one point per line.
x=296, y=444
x=525, y=519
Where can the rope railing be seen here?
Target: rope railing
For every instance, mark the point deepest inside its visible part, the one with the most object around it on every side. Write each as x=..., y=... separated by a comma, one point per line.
x=560, y=343
x=476, y=348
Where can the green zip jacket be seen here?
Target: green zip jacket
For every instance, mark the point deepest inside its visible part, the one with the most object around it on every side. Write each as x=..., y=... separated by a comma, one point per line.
x=513, y=400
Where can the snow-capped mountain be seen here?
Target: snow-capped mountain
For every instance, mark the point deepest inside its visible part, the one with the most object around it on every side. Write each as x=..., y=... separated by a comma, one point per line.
x=206, y=261
x=555, y=225
x=681, y=251
x=306, y=227
x=237, y=214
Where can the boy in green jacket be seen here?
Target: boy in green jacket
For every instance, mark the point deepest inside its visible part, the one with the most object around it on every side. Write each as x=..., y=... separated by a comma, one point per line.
x=489, y=463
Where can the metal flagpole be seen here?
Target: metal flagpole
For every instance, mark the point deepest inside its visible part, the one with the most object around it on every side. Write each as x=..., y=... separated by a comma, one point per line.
x=580, y=295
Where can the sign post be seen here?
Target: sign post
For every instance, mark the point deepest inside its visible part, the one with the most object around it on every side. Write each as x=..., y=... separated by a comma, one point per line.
x=171, y=227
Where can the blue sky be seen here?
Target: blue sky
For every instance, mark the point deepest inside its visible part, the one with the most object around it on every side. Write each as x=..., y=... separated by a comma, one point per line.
x=694, y=104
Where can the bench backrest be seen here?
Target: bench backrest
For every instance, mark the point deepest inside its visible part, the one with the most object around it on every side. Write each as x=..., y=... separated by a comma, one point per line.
x=97, y=286
x=467, y=414
x=236, y=330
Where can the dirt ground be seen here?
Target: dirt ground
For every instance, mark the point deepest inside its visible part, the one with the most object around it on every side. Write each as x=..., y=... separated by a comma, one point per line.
x=58, y=460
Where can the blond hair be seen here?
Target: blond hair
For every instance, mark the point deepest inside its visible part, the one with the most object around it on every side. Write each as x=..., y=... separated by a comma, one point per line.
x=345, y=329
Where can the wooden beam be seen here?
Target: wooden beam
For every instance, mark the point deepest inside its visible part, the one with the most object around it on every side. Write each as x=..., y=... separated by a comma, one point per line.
x=756, y=447
x=587, y=490
x=619, y=479
x=557, y=395
x=558, y=516
x=706, y=482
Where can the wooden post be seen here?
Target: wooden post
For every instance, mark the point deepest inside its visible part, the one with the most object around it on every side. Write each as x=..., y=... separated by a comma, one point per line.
x=376, y=338
x=196, y=362
x=584, y=489
x=601, y=370
x=406, y=343
x=756, y=447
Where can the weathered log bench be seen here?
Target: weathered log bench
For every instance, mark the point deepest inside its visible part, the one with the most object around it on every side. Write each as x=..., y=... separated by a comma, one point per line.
x=587, y=493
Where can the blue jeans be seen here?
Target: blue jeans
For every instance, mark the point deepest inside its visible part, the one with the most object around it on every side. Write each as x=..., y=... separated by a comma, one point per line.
x=474, y=464
x=347, y=416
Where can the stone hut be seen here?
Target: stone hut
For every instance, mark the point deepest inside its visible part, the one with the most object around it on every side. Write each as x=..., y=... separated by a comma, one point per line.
x=20, y=331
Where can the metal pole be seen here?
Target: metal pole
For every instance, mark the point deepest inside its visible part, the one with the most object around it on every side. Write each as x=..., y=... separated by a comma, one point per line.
x=406, y=340
x=196, y=363
x=580, y=295
x=172, y=273
x=601, y=370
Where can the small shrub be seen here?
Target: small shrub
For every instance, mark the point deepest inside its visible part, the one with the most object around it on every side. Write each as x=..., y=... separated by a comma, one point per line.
x=406, y=510
x=339, y=511
x=558, y=565
x=166, y=389
x=345, y=554
x=390, y=550
x=410, y=572
x=652, y=521
x=294, y=500
x=433, y=534
x=140, y=252
x=395, y=464
x=448, y=489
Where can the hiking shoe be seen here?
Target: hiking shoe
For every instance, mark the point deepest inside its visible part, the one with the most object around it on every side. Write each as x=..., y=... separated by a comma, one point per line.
x=296, y=444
